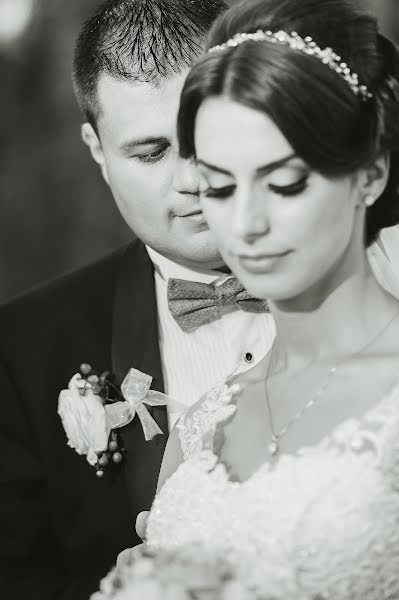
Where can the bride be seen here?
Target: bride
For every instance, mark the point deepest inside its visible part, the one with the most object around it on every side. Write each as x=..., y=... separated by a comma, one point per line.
x=292, y=117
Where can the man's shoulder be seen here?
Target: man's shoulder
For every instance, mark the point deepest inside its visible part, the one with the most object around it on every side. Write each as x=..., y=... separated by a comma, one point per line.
x=86, y=293
x=75, y=315
x=78, y=286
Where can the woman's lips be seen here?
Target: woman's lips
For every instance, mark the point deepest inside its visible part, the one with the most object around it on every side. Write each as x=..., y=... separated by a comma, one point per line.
x=260, y=263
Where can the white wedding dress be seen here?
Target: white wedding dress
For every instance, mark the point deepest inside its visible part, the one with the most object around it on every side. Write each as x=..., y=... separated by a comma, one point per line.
x=322, y=524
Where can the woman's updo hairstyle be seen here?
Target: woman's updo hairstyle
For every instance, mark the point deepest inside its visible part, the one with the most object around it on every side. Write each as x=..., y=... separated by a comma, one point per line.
x=330, y=127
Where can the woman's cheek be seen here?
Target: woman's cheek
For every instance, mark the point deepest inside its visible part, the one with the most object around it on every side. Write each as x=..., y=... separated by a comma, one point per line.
x=217, y=218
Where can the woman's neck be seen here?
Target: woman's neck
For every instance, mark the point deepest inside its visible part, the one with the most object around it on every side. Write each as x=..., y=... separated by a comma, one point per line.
x=336, y=318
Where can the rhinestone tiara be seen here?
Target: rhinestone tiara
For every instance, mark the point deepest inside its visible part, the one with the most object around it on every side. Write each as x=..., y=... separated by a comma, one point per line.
x=305, y=45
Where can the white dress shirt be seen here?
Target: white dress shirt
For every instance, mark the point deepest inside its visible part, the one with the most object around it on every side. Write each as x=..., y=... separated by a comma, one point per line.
x=193, y=362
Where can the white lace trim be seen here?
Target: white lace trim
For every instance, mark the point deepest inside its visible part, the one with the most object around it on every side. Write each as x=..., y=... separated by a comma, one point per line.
x=197, y=429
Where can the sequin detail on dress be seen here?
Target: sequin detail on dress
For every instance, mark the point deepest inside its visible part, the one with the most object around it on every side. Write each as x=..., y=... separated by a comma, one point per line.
x=322, y=523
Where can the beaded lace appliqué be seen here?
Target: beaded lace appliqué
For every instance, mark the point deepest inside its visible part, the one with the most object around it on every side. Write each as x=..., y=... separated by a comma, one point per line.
x=197, y=429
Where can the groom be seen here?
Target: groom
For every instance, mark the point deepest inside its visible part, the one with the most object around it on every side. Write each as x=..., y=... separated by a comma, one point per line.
x=61, y=527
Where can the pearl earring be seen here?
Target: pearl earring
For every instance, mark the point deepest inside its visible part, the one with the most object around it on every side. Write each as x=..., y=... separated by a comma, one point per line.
x=369, y=200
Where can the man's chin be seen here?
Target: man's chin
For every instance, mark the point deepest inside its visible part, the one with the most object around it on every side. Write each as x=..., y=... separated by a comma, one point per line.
x=200, y=252
x=193, y=248
x=195, y=223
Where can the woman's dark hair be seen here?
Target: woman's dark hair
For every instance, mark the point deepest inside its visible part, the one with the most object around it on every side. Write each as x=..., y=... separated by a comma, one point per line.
x=334, y=130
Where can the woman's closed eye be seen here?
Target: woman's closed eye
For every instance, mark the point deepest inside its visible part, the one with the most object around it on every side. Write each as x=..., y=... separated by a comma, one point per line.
x=292, y=189
x=219, y=192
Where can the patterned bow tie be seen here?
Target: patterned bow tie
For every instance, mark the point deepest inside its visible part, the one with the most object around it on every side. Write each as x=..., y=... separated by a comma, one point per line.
x=193, y=304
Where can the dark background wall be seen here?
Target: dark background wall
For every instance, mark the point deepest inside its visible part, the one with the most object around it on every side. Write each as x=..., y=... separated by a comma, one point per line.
x=56, y=213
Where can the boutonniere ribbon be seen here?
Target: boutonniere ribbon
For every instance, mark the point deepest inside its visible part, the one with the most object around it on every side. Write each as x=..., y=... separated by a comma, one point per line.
x=136, y=391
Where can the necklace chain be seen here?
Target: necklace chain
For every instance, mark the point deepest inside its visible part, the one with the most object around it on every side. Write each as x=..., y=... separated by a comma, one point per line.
x=274, y=445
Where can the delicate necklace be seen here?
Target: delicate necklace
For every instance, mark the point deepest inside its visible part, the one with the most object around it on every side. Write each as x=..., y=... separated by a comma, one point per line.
x=274, y=445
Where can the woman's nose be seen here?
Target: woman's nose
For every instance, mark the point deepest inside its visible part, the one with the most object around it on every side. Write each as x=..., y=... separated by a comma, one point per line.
x=251, y=219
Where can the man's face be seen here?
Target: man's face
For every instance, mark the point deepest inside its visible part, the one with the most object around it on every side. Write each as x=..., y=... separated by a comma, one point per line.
x=155, y=190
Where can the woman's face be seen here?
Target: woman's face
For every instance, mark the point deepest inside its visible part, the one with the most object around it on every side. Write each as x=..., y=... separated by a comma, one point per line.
x=281, y=227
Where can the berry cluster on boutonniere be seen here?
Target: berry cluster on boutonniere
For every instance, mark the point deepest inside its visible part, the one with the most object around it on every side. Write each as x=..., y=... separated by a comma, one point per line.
x=103, y=386
x=93, y=409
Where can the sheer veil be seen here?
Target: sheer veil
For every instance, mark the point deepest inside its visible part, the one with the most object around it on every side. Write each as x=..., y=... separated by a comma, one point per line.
x=384, y=259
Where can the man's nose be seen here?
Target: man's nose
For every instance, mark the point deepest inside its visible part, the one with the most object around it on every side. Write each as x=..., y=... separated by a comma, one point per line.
x=185, y=177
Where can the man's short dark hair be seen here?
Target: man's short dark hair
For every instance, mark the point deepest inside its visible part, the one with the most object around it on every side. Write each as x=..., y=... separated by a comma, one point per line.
x=139, y=41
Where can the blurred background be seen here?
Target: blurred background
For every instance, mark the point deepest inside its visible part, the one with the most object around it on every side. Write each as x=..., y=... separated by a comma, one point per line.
x=56, y=213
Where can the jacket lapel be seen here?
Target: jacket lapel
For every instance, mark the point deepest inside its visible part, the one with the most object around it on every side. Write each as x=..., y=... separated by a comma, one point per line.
x=135, y=344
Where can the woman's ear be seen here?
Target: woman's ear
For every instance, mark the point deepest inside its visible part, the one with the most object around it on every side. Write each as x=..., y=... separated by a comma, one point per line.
x=91, y=139
x=374, y=178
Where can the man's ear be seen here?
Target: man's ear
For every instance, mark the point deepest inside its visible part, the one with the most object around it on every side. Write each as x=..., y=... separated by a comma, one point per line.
x=91, y=139
x=375, y=176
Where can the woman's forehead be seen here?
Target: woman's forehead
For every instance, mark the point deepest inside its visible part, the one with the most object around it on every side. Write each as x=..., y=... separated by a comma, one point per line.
x=229, y=134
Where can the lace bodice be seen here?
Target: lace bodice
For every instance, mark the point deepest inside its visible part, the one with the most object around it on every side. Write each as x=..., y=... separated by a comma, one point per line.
x=322, y=524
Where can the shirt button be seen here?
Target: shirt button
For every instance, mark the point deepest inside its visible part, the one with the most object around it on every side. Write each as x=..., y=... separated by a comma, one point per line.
x=248, y=357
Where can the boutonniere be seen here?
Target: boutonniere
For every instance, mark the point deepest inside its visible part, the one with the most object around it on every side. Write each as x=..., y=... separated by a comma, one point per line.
x=93, y=409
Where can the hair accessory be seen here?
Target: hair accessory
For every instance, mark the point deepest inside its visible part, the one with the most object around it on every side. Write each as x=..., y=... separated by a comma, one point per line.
x=305, y=45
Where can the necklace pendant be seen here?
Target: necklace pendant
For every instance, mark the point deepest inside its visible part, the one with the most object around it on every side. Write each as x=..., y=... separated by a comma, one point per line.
x=273, y=447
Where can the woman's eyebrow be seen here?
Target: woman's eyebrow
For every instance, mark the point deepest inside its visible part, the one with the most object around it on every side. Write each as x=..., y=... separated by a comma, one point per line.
x=276, y=164
x=262, y=170
x=207, y=165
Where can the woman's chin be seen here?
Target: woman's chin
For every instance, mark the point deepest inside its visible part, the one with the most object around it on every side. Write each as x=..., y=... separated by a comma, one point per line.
x=267, y=290
x=256, y=289
x=257, y=285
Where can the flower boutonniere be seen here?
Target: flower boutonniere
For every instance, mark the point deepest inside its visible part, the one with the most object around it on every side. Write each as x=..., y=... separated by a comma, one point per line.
x=93, y=408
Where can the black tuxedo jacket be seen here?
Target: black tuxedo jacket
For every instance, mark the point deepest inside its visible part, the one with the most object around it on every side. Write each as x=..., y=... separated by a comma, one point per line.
x=61, y=527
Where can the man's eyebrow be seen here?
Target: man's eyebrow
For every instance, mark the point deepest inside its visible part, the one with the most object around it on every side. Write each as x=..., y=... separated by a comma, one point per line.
x=130, y=145
x=263, y=170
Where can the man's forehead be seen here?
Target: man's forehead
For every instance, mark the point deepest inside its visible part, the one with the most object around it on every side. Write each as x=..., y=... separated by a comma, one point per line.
x=123, y=101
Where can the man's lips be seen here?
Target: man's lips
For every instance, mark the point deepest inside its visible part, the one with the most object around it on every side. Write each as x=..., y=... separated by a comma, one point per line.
x=193, y=213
